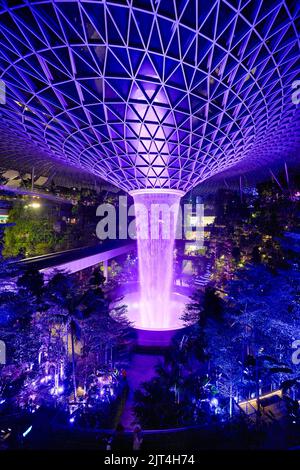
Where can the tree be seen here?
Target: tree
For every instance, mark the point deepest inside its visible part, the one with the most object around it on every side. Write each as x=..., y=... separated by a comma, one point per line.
x=65, y=303
x=201, y=308
x=31, y=233
x=194, y=309
x=224, y=350
x=19, y=309
x=87, y=316
x=212, y=304
x=9, y=271
x=261, y=320
x=97, y=280
x=105, y=327
x=31, y=283
x=269, y=304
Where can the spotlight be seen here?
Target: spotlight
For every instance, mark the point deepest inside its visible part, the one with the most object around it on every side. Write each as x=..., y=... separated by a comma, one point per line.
x=27, y=431
x=214, y=402
x=34, y=205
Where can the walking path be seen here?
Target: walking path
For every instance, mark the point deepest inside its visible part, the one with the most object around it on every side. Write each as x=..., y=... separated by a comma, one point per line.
x=141, y=369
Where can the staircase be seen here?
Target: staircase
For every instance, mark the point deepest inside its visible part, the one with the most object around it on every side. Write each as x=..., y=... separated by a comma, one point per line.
x=203, y=280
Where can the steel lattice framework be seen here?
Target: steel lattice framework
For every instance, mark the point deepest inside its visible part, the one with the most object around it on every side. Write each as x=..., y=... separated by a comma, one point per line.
x=161, y=94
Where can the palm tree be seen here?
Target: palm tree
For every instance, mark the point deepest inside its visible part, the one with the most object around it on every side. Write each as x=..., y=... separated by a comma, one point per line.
x=66, y=300
x=86, y=313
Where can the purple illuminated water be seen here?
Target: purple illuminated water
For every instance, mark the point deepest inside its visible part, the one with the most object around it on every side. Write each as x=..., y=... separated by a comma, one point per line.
x=177, y=305
x=156, y=218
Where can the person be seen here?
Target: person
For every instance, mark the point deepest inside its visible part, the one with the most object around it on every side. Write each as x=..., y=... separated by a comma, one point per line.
x=137, y=438
x=119, y=438
x=108, y=443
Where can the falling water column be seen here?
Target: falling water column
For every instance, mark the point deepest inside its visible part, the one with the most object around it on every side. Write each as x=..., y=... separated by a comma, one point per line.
x=156, y=213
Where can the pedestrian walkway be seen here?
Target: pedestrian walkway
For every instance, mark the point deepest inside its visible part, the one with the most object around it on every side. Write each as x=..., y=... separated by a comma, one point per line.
x=141, y=369
x=272, y=408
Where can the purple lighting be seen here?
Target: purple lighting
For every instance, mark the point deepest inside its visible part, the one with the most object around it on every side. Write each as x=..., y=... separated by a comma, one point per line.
x=150, y=94
x=176, y=306
x=156, y=219
x=158, y=96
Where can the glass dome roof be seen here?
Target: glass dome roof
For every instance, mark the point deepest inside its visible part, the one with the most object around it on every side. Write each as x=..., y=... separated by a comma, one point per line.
x=150, y=94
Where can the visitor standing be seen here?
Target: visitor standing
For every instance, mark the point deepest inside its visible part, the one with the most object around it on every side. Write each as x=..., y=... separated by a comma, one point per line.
x=137, y=438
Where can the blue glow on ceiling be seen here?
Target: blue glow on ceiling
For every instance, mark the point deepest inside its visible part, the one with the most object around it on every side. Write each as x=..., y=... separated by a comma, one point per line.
x=151, y=93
